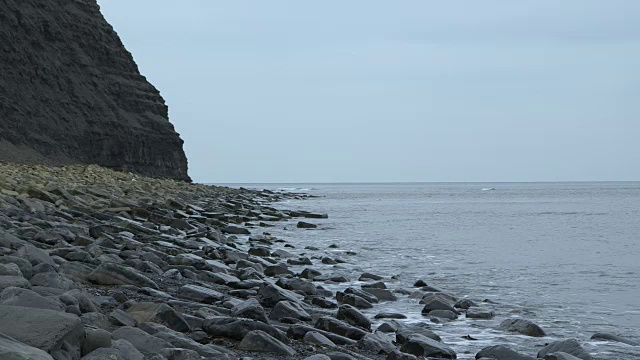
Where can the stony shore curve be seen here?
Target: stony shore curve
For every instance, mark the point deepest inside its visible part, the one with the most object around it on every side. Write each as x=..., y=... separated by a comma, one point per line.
x=97, y=264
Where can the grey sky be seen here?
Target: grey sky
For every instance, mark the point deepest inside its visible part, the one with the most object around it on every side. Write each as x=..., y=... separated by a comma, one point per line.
x=332, y=91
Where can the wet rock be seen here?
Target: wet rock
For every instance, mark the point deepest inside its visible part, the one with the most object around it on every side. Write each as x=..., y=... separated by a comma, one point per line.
x=387, y=328
x=397, y=355
x=614, y=338
x=420, y=345
x=501, y=352
x=403, y=334
x=200, y=294
x=260, y=341
x=339, y=327
x=369, y=276
x=143, y=342
x=363, y=294
x=270, y=294
x=237, y=328
x=314, y=337
x=560, y=356
x=250, y=309
x=306, y=225
x=478, y=313
x=390, y=316
x=12, y=349
x=437, y=305
x=381, y=294
x=442, y=314
x=464, y=304
x=304, y=286
x=317, y=357
x=114, y=274
x=299, y=332
x=355, y=300
x=309, y=273
x=159, y=313
x=379, y=343
x=51, y=331
x=522, y=326
x=288, y=309
x=420, y=283
x=278, y=270
x=236, y=230
x=354, y=317
x=570, y=346
x=323, y=303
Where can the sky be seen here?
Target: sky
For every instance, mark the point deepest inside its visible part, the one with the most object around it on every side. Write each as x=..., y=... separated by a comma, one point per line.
x=381, y=91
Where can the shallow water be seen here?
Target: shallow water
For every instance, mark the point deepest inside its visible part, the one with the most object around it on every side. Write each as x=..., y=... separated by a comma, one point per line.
x=565, y=255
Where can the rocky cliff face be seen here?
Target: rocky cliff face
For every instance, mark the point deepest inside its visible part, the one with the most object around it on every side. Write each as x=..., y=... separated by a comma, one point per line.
x=71, y=93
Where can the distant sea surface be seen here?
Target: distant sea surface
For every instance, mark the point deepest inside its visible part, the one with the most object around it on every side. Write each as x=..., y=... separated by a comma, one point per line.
x=565, y=255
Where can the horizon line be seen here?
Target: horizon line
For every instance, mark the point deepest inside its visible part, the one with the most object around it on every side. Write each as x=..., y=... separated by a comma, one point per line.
x=418, y=182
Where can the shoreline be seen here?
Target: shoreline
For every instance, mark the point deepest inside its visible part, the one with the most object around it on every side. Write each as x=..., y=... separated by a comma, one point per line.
x=116, y=256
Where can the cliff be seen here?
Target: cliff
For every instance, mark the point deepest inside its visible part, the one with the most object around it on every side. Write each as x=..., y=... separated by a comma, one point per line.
x=71, y=93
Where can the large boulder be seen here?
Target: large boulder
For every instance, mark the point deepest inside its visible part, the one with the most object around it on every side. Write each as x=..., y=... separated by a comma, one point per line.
x=379, y=343
x=270, y=294
x=570, y=346
x=522, y=326
x=7, y=281
x=200, y=294
x=143, y=342
x=340, y=328
x=614, y=338
x=260, y=341
x=420, y=345
x=501, y=352
x=354, y=317
x=237, y=328
x=250, y=309
x=115, y=274
x=52, y=331
x=288, y=309
x=159, y=313
x=11, y=349
x=27, y=298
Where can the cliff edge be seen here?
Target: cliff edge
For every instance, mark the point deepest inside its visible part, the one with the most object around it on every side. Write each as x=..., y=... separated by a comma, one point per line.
x=71, y=93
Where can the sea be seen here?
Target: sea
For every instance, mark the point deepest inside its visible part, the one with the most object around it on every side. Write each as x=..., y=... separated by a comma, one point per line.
x=563, y=255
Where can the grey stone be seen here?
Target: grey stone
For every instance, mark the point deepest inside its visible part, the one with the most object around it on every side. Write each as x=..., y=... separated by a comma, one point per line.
x=95, y=339
x=47, y=330
x=570, y=346
x=501, y=352
x=180, y=354
x=25, y=266
x=379, y=343
x=316, y=338
x=522, y=326
x=127, y=349
x=560, y=356
x=104, y=354
x=614, y=338
x=353, y=316
x=200, y=294
x=381, y=294
x=159, y=313
x=27, y=298
x=339, y=327
x=143, y=342
x=115, y=274
x=7, y=281
x=260, y=341
x=420, y=345
x=10, y=269
x=479, y=313
x=11, y=349
x=288, y=309
x=51, y=279
x=237, y=328
x=250, y=309
x=121, y=318
x=270, y=294
x=34, y=255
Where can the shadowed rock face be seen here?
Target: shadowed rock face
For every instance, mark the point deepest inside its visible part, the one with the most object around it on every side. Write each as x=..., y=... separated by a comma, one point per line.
x=71, y=93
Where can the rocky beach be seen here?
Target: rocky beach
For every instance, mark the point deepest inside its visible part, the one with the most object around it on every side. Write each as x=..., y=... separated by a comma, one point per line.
x=98, y=264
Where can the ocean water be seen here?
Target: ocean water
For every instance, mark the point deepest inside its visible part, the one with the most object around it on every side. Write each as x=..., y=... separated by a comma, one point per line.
x=564, y=255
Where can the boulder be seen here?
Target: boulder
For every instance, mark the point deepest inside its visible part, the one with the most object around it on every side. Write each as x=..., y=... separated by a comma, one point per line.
x=398, y=355
x=52, y=331
x=339, y=327
x=34, y=255
x=479, y=313
x=501, y=352
x=115, y=274
x=356, y=301
x=316, y=338
x=237, y=328
x=379, y=343
x=250, y=309
x=570, y=346
x=353, y=316
x=127, y=349
x=260, y=341
x=614, y=338
x=51, y=279
x=105, y=354
x=420, y=345
x=120, y=318
x=12, y=349
x=560, y=356
x=95, y=339
x=159, y=313
x=25, y=266
x=404, y=333
x=522, y=326
x=180, y=354
x=436, y=304
x=306, y=225
x=381, y=294
x=270, y=294
x=288, y=309
x=200, y=294
x=299, y=331
x=7, y=281
x=143, y=342
x=27, y=298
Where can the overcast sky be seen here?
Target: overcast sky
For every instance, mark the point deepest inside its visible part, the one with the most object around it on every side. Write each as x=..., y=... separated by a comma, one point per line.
x=342, y=91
